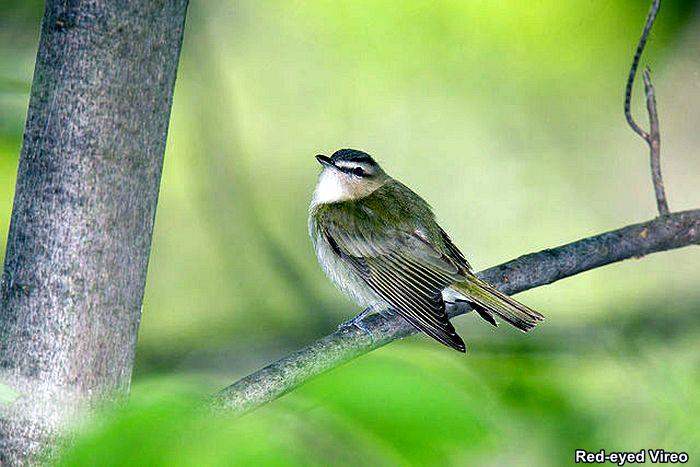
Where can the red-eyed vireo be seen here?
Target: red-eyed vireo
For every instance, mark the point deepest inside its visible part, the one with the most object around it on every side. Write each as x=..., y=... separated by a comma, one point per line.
x=378, y=241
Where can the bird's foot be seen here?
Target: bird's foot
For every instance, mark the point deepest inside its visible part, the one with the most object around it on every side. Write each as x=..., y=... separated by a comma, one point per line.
x=357, y=322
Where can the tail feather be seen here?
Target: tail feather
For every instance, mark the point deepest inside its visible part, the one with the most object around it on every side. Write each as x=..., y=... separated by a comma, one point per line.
x=484, y=314
x=447, y=336
x=489, y=299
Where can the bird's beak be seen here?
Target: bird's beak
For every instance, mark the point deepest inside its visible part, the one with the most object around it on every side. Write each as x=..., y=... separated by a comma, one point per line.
x=325, y=160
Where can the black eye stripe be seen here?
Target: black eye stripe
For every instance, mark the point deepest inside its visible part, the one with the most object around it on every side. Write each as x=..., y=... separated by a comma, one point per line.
x=359, y=171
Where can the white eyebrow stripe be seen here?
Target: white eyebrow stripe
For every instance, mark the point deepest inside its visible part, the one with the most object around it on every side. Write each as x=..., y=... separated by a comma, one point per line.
x=352, y=165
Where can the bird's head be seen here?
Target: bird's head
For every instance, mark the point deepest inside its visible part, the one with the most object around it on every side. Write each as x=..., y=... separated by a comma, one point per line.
x=347, y=175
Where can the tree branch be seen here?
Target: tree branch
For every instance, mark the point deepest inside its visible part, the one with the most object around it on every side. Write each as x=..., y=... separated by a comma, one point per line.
x=664, y=233
x=653, y=137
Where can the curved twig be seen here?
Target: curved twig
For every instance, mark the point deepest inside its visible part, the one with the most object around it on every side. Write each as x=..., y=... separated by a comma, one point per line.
x=664, y=233
x=651, y=17
x=653, y=137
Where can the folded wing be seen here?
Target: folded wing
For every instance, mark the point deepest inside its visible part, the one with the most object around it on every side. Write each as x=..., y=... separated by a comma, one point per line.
x=406, y=272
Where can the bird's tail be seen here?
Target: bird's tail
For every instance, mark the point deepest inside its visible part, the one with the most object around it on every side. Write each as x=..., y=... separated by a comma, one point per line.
x=488, y=299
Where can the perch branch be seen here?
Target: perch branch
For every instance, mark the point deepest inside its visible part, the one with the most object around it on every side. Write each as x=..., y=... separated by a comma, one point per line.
x=653, y=137
x=664, y=233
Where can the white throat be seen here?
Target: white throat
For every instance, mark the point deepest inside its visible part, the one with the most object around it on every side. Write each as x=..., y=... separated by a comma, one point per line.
x=331, y=188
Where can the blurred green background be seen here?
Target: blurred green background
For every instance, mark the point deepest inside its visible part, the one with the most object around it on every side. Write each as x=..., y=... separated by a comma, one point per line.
x=506, y=116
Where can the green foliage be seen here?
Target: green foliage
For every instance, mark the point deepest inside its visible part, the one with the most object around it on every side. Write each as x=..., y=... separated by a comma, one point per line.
x=416, y=405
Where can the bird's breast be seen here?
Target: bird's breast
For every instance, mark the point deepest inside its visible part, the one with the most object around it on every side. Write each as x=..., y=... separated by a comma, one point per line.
x=338, y=271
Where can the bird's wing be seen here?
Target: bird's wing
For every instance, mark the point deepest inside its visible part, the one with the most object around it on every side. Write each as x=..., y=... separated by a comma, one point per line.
x=454, y=252
x=406, y=271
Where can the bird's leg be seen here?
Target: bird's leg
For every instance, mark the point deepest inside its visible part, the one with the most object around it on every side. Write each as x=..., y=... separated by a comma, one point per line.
x=357, y=321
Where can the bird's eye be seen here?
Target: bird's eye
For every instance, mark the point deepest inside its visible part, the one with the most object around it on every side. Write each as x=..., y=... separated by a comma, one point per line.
x=358, y=171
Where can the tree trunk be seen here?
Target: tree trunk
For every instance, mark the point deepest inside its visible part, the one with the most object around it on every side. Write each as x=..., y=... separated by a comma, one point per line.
x=85, y=201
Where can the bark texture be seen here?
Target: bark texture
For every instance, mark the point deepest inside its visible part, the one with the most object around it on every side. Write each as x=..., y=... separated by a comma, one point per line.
x=85, y=201
x=536, y=269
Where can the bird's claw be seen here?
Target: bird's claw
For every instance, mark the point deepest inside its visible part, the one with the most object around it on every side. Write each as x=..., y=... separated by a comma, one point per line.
x=354, y=324
x=357, y=323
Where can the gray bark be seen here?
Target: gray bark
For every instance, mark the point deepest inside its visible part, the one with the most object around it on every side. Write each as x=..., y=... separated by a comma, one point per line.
x=536, y=269
x=85, y=201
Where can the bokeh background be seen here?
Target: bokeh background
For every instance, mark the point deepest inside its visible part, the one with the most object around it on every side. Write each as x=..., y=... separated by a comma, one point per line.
x=506, y=116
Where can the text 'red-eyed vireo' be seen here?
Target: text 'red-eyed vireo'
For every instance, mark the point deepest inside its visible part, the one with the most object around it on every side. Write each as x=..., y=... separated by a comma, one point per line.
x=378, y=241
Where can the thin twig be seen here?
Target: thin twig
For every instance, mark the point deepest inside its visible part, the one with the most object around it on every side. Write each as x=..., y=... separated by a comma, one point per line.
x=529, y=271
x=653, y=137
x=651, y=17
x=654, y=142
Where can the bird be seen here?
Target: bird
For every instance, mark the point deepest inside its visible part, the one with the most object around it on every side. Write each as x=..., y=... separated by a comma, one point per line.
x=380, y=244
